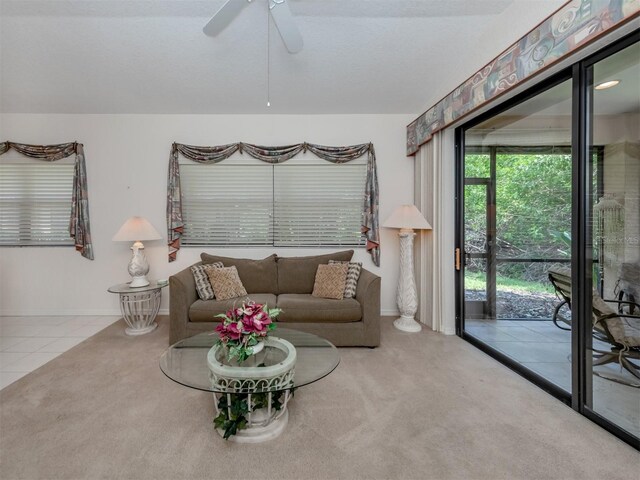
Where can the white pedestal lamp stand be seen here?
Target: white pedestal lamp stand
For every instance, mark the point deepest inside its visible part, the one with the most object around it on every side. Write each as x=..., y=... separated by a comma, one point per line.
x=407, y=218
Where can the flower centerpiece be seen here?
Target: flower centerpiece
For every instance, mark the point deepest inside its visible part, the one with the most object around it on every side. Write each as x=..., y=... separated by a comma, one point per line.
x=243, y=327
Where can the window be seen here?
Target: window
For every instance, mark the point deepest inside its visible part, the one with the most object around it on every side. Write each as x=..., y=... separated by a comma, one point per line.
x=35, y=203
x=227, y=204
x=292, y=204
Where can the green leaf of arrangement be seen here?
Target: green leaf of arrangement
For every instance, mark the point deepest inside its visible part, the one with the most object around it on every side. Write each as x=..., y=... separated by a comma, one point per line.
x=239, y=408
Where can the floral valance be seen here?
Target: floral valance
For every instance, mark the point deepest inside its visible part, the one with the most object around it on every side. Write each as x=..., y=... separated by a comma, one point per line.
x=79, y=228
x=273, y=155
x=570, y=28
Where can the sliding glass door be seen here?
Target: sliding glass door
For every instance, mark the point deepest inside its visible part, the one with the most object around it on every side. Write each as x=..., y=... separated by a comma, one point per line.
x=613, y=345
x=517, y=224
x=549, y=236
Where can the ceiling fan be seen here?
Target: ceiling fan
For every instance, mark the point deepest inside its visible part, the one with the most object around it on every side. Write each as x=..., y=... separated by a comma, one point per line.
x=279, y=10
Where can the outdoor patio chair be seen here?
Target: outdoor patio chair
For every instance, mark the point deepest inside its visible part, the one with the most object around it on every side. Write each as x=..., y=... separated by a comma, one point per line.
x=623, y=334
x=560, y=278
x=628, y=285
x=614, y=326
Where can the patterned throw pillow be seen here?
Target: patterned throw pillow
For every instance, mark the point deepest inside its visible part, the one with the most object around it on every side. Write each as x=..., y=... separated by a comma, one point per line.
x=226, y=283
x=330, y=281
x=353, y=274
x=203, y=285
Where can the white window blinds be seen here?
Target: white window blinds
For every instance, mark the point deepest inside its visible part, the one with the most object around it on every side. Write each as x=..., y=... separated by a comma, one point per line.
x=274, y=205
x=227, y=204
x=35, y=203
x=318, y=205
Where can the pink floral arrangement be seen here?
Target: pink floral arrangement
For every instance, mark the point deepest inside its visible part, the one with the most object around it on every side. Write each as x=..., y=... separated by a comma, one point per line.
x=243, y=327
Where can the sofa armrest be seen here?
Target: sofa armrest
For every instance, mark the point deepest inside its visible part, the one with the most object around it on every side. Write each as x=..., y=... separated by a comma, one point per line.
x=368, y=295
x=182, y=294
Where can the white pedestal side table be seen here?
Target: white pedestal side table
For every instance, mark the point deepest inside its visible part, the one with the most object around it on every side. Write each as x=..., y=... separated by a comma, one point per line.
x=139, y=306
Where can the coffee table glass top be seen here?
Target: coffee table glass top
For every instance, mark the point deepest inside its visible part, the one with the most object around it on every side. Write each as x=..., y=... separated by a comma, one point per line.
x=185, y=362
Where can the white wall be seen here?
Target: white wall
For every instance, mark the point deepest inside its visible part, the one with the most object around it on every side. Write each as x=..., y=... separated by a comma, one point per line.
x=127, y=159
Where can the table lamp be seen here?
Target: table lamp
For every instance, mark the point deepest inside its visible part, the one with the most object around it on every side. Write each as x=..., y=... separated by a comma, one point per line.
x=407, y=218
x=136, y=229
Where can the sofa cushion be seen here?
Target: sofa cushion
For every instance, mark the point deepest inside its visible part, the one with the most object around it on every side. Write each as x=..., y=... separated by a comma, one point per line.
x=257, y=276
x=301, y=307
x=205, y=311
x=298, y=274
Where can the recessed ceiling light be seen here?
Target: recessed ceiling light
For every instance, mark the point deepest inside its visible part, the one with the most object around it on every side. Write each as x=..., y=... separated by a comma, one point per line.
x=609, y=84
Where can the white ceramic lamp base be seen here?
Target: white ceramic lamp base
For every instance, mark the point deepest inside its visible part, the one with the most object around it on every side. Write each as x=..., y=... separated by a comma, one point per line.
x=138, y=266
x=139, y=281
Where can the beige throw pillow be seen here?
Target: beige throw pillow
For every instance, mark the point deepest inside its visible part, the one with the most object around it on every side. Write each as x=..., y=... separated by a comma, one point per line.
x=226, y=283
x=330, y=281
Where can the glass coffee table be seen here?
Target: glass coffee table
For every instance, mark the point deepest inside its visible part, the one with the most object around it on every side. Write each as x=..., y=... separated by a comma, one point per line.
x=187, y=362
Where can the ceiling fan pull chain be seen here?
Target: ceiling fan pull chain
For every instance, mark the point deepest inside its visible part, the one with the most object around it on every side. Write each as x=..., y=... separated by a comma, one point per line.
x=269, y=57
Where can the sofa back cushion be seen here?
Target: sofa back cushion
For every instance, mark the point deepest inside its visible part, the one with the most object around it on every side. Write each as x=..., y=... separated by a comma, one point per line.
x=257, y=276
x=298, y=274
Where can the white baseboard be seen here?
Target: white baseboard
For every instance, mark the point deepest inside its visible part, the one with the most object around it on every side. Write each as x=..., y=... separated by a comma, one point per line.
x=104, y=312
x=68, y=313
x=59, y=313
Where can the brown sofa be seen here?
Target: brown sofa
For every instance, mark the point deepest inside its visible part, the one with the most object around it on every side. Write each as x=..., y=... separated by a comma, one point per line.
x=285, y=282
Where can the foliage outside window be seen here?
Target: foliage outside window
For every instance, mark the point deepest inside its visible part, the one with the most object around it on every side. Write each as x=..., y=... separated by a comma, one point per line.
x=533, y=207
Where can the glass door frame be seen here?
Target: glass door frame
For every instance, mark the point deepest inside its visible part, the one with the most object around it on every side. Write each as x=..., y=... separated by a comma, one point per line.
x=581, y=74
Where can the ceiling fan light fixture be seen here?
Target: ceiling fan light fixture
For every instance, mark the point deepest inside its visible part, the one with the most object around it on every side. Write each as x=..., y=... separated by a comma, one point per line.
x=607, y=84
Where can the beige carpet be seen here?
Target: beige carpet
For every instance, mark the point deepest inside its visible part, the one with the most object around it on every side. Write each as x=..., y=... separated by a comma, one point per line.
x=421, y=406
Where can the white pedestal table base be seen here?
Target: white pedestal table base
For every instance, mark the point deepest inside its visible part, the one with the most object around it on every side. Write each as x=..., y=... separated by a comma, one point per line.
x=139, y=311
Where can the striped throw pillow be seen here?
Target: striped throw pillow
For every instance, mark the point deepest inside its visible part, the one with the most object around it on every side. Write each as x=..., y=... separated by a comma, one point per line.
x=353, y=274
x=203, y=285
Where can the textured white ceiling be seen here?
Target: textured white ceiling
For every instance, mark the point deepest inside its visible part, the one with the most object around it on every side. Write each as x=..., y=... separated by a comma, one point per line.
x=150, y=56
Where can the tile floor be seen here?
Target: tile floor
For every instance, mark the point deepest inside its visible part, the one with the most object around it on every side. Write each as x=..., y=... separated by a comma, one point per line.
x=27, y=343
x=545, y=349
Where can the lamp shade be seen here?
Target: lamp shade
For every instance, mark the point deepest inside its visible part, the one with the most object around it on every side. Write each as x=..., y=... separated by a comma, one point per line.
x=134, y=229
x=407, y=216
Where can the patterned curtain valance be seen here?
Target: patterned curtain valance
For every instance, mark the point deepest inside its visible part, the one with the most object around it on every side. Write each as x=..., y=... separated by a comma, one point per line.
x=79, y=227
x=273, y=155
x=570, y=28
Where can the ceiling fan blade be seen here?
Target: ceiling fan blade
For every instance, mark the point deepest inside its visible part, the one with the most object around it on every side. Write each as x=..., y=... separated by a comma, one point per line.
x=223, y=17
x=286, y=24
